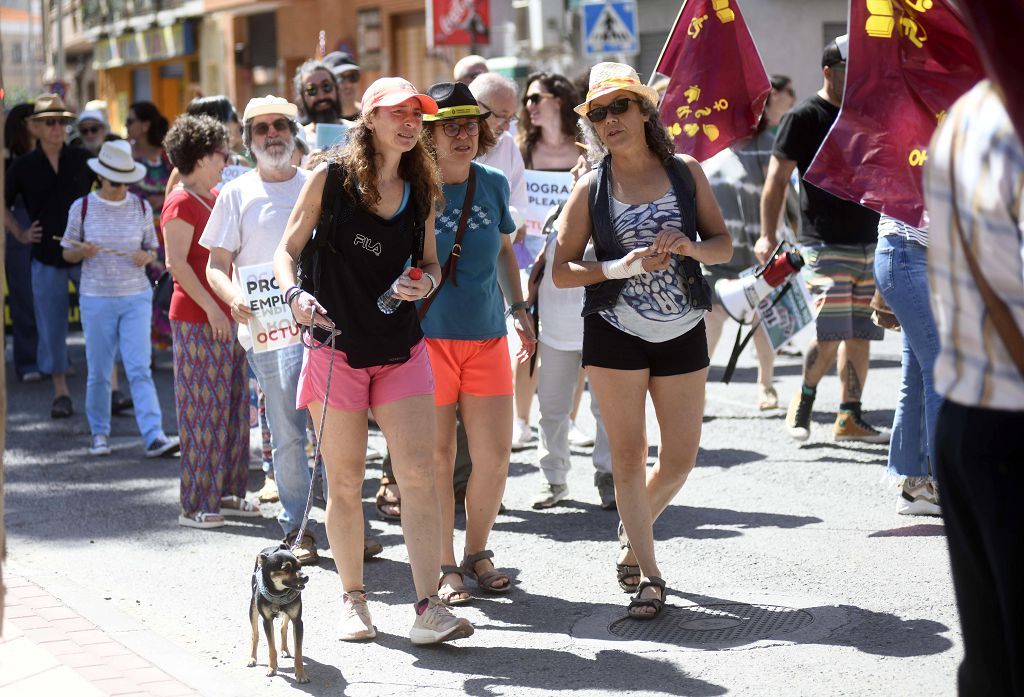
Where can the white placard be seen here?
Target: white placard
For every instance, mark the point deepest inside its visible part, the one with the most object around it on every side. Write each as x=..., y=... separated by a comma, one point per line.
x=272, y=326
x=789, y=316
x=232, y=172
x=544, y=191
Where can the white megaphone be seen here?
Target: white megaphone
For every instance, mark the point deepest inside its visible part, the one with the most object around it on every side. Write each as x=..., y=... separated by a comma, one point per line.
x=741, y=296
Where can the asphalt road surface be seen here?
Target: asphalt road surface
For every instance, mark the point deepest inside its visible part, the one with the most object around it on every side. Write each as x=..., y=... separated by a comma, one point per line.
x=789, y=571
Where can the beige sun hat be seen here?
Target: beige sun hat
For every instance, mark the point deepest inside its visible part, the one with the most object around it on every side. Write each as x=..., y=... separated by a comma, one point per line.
x=608, y=77
x=261, y=106
x=115, y=163
x=50, y=106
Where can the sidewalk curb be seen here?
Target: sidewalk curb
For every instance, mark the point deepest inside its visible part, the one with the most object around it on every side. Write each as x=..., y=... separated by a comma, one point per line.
x=154, y=648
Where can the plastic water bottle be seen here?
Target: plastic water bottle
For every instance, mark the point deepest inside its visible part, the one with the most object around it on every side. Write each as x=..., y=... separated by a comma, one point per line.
x=389, y=301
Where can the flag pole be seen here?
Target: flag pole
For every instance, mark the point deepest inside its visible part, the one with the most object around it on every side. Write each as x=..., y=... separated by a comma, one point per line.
x=650, y=81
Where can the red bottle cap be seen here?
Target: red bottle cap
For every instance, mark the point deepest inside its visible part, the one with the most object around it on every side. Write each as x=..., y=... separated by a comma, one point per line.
x=415, y=273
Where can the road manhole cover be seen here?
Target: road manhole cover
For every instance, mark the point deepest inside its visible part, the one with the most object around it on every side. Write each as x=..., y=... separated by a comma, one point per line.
x=725, y=623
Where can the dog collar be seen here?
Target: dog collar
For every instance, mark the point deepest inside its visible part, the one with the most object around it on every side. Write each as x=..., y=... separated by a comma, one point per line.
x=278, y=599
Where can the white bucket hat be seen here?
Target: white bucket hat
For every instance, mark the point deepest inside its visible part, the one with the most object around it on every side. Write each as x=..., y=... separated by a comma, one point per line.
x=610, y=77
x=116, y=164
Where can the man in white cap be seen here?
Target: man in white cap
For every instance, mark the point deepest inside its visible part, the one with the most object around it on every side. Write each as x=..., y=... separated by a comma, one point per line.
x=93, y=131
x=245, y=228
x=838, y=240
x=347, y=73
x=49, y=179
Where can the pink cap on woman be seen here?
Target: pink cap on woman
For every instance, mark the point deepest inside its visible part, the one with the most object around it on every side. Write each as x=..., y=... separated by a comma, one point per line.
x=390, y=91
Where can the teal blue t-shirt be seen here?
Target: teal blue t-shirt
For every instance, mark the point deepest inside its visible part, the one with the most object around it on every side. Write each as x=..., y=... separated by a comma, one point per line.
x=473, y=310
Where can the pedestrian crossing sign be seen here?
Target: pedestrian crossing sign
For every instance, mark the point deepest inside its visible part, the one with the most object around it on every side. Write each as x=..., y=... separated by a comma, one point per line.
x=610, y=27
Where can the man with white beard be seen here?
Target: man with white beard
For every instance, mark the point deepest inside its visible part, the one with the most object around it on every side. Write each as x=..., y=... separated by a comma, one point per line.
x=245, y=227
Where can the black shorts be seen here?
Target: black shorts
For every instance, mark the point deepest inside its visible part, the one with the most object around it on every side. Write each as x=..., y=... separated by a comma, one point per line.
x=604, y=346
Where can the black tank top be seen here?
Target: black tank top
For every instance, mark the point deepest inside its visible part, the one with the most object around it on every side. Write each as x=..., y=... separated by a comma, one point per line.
x=361, y=257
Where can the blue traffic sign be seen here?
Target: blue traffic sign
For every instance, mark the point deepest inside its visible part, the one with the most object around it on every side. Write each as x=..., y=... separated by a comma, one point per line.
x=610, y=27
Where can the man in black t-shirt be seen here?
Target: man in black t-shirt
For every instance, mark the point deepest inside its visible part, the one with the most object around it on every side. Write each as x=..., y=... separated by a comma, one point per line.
x=838, y=242
x=49, y=179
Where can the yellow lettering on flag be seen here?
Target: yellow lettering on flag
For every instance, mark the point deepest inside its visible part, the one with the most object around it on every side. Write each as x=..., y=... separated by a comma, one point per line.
x=682, y=112
x=691, y=129
x=721, y=105
x=711, y=131
x=700, y=113
x=881, y=22
x=921, y=6
x=723, y=11
x=918, y=157
x=692, y=94
x=696, y=24
x=913, y=31
x=675, y=129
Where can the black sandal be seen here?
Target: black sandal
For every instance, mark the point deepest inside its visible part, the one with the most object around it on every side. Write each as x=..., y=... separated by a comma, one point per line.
x=61, y=407
x=657, y=603
x=624, y=571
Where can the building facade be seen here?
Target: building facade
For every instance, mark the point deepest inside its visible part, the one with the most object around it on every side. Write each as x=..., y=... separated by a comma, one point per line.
x=21, y=38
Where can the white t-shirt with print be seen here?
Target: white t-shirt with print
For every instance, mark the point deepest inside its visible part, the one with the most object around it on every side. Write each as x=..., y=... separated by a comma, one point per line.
x=249, y=219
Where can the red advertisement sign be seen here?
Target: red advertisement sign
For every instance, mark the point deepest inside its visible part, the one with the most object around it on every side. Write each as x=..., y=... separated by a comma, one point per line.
x=458, y=22
x=717, y=83
x=909, y=60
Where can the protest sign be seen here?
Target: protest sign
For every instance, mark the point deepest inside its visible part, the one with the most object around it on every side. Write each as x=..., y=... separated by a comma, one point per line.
x=330, y=134
x=784, y=319
x=272, y=326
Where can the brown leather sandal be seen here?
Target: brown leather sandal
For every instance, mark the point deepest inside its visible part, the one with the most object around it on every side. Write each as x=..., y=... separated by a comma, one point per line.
x=487, y=580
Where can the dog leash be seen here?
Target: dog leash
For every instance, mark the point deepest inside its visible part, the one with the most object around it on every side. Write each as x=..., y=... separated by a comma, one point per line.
x=314, y=345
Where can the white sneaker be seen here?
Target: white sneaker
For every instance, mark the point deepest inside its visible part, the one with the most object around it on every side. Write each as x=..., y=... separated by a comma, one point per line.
x=356, y=624
x=550, y=494
x=437, y=624
x=100, y=445
x=918, y=497
x=522, y=434
x=578, y=438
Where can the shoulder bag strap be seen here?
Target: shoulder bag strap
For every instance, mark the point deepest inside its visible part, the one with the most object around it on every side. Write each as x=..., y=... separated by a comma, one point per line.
x=998, y=311
x=85, y=208
x=453, y=258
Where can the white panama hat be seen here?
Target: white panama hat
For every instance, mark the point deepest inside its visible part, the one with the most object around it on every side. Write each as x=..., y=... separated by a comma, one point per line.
x=608, y=77
x=116, y=164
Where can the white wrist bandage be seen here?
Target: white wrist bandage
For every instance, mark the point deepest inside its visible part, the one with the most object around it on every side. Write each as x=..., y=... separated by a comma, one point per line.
x=618, y=268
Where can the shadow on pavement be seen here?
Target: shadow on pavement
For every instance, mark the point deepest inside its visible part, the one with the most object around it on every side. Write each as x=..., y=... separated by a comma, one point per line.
x=727, y=457
x=920, y=530
x=579, y=523
x=555, y=671
x=876, y=633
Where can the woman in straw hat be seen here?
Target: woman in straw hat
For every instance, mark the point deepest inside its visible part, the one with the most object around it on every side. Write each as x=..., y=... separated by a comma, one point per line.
x=653, y=220
x=112, y=234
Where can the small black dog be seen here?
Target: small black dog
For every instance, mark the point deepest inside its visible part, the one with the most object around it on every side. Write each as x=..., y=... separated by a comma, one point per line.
x=276, y=584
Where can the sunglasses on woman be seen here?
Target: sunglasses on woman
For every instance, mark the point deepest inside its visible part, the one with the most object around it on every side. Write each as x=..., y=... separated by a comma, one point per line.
x=54, y=122
x=452, y=130
x=263, y=128
x=618, y=107
x=313, y=89
x=536, y=98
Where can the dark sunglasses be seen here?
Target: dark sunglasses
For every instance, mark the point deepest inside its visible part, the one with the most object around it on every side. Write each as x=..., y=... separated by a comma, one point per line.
x=262, y=128
x=536, y=98
x=51, y=122
x=325, y=87
x=618, y=107
x=352, y=77
x=452, y=130
x=89, y=130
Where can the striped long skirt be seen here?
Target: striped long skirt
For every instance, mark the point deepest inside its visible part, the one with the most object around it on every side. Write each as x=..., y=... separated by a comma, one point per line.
x=211, y=391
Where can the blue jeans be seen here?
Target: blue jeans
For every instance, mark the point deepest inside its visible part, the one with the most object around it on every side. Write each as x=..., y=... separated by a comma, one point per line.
x=901, y=272
x=109, y=324
x=50, y=297
x=18, y=268
x=278, y=375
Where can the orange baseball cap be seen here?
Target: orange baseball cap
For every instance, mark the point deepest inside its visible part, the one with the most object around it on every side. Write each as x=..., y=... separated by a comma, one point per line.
x=389, y=91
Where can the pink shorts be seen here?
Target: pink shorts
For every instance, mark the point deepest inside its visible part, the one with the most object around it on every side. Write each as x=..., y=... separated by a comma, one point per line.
x=356, y=389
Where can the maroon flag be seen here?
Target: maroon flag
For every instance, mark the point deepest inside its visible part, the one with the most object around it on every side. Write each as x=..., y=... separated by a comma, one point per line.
x=909, y=60
x=998, y=26
x=717, y=83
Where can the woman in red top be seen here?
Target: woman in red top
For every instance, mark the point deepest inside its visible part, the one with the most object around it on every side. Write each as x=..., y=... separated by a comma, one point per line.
x=210, y=378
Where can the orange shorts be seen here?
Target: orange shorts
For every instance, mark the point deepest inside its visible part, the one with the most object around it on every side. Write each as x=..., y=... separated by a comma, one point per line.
x=478, y=368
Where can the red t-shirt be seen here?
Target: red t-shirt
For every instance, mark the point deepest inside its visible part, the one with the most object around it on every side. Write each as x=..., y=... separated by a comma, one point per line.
x=182, y=204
